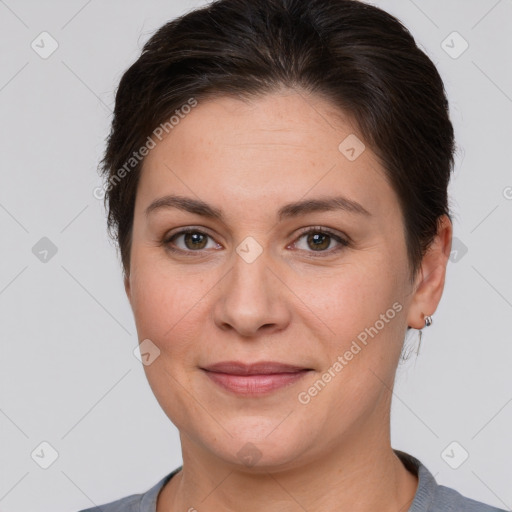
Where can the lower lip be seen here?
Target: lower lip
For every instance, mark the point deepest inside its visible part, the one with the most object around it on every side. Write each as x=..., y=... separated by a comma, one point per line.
x=255, y=384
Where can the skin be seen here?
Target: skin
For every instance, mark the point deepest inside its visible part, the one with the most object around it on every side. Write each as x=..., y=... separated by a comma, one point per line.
x=292, y=304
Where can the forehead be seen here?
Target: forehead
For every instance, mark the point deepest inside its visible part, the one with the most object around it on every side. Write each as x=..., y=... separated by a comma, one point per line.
x=280, y=119
x=278, y=147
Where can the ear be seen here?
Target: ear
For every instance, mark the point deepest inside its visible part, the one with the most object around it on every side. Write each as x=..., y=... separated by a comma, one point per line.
x=127, y=287
x=430, y=279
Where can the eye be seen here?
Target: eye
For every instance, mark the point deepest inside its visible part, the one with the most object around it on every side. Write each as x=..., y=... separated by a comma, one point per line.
x=192, y=239
x=319, y=240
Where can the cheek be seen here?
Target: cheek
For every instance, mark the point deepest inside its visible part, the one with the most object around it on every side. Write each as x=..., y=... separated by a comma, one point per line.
x=362, y=304
x=169, y=306
x=168, y=311
x=352, y=297
x=366, y=318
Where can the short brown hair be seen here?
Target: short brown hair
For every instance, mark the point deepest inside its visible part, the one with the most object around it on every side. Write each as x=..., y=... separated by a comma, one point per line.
x=357, y=56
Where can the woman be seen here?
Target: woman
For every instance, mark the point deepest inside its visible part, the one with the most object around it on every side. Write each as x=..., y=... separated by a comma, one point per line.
x=276, y=178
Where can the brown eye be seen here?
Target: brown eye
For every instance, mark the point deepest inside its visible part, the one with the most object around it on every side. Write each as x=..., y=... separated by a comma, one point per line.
x=195, y=240
x=189, y=240
x=320, y=240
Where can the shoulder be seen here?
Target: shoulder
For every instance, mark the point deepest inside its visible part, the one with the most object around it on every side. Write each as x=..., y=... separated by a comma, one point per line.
x=128, y=504
x=432, y=497
x=450, y=500
x=144, y=502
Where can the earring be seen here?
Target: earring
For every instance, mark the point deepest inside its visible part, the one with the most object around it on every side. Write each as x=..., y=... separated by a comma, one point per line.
x=428, y=321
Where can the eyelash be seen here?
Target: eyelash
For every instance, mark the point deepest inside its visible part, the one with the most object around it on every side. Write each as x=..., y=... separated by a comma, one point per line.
x=314, y=229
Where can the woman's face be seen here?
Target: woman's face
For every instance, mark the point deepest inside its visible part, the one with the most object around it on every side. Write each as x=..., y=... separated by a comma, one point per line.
x=247, y=285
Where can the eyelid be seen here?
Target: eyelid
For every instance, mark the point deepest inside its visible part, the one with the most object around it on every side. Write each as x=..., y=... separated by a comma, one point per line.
x=187, y=229
x=328, y=231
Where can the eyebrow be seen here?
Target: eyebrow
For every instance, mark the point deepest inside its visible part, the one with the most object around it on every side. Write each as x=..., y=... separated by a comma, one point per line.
x=198, y=207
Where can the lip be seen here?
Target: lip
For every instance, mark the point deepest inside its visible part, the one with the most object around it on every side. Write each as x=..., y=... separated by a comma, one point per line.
x=260, y=368
x=255, y=378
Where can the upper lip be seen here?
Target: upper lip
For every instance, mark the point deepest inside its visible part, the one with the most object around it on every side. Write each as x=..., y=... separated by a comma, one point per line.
x=260, y=368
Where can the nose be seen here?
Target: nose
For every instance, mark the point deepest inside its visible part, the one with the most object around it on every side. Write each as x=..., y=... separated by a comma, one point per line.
x=252, y=299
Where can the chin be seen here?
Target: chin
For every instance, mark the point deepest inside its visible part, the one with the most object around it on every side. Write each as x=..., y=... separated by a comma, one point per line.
x=260, y=444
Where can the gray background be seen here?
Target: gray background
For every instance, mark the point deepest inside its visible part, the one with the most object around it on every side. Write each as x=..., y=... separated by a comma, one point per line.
x=68, y=374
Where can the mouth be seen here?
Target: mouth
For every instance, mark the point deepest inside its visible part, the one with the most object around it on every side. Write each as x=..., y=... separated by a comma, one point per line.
x=256, y=378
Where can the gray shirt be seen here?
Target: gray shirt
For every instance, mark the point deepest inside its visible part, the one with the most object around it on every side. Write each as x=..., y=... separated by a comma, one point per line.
x=429, y=497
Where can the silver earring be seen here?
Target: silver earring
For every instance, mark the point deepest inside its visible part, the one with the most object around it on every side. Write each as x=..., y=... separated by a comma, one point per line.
x=428, y=321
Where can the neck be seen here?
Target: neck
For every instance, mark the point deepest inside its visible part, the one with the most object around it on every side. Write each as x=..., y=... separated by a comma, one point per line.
x=359, y=476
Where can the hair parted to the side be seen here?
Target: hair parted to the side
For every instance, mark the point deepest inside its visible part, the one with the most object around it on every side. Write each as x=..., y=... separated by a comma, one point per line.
x=358, y=57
